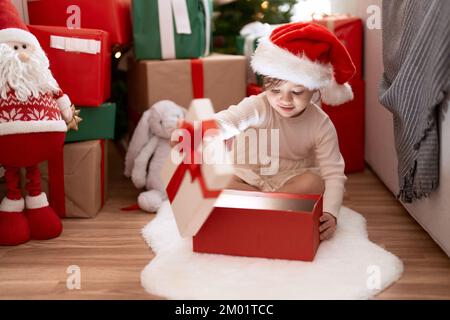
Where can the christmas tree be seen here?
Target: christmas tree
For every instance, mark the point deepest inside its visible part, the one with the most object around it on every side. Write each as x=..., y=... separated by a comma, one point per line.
x=230, y=16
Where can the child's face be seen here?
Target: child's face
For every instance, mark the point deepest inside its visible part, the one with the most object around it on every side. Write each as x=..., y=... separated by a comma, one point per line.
x=289, y=99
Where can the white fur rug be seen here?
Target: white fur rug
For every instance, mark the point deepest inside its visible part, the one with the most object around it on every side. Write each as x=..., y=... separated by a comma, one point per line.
x=348, y=266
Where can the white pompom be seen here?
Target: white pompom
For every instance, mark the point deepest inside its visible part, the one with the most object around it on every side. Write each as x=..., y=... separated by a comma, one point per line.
x=336, y=94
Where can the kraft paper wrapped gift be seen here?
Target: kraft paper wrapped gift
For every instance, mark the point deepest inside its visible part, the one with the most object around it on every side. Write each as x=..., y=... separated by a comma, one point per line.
x=85, y=178
x=221, y=78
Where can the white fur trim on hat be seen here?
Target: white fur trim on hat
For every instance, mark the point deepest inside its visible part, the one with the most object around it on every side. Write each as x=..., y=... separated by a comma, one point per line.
x=37, y=202
x=8, y=205
x=14, y=127
x=274, y=61
x=18, y=35
x=336, y=94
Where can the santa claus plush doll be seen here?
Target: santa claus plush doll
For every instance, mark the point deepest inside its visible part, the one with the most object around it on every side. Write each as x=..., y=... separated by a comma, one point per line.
x=34, y=117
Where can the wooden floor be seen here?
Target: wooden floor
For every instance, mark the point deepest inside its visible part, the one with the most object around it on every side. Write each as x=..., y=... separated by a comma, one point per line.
x=111, y=252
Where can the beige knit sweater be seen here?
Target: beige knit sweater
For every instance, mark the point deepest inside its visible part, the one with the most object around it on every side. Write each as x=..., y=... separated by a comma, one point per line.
x=305, y=141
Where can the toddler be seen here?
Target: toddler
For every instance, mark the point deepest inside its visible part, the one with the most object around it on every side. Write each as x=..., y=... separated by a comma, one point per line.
x=302, y=63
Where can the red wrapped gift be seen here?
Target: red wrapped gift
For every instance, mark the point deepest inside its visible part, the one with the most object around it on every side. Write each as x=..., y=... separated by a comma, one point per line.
x=80, y=60
x=253, y=89
x=349, y=122
x=349, y=30
x=259, y=224
x=112, y=16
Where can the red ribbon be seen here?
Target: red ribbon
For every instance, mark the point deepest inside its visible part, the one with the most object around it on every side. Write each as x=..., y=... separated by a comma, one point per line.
x=196, y=174
x=56, y=182
x=133, y=207
x=205, y=126
x=57, y=195
x=193, y=168
x=197, y=78
x=102, y=173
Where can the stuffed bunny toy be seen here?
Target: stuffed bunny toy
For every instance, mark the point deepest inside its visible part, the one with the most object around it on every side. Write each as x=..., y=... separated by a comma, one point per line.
x=149, y=149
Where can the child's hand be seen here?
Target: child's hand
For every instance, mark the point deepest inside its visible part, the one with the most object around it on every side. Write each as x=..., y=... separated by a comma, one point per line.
x=327, y=226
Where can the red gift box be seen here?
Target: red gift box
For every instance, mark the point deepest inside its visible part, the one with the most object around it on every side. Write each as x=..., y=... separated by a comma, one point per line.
x=80, y=60
x=348, y=120
x=349, y=30
x=112, y=16
x=259, y=224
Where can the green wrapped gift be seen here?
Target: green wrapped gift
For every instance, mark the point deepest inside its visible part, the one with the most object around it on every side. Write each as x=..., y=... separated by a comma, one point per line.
x=240, y=45
x=247, y=42
x=171, y=29
x=246, y=47
x=98, y=123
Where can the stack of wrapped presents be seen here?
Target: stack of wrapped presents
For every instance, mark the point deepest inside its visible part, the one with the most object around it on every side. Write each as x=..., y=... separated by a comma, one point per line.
x=347, y=118
x=78, y=37
x=172, y=41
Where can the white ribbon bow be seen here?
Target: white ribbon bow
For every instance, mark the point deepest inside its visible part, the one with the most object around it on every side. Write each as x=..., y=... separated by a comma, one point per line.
x=75, y=44
x=251, y=32
x=177, y=9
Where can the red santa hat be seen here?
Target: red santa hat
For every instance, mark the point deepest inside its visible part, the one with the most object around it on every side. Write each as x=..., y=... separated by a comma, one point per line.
x=310, y=55
x=12, y=28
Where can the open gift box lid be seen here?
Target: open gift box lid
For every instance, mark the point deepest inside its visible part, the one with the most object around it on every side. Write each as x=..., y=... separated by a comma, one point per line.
x=199, y=185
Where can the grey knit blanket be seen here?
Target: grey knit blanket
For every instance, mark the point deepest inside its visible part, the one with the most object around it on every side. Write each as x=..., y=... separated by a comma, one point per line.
x=416, y=81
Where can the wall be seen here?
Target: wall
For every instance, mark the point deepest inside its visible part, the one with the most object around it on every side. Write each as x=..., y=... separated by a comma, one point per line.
x=379, y=154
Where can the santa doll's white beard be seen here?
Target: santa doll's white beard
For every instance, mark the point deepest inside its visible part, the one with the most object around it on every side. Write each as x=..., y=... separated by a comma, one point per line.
x=26, y=79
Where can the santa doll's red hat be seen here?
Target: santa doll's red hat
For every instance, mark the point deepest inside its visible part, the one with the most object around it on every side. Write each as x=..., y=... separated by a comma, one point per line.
x=310, y=55
x=12, y=28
